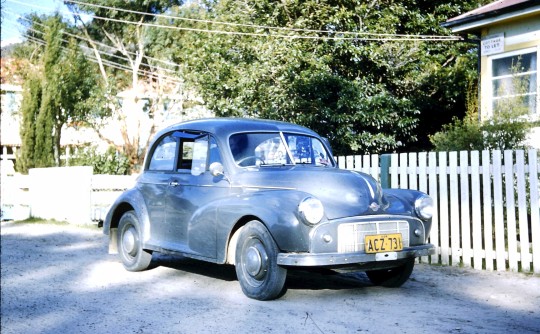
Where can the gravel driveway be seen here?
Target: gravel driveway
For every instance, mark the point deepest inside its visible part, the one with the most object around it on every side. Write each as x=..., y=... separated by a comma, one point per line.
x=60, y=279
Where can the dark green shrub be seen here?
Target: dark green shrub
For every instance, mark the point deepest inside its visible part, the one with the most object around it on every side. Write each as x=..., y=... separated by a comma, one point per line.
x=111, y=162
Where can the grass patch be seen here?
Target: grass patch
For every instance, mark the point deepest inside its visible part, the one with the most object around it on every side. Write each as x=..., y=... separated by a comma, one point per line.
x=33, y=220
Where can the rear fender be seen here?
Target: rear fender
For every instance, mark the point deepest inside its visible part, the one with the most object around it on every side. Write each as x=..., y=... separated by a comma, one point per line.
x=130, y=200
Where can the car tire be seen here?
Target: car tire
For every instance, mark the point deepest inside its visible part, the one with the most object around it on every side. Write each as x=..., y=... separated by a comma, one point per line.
x=133, y=257
x=392, y=277
x=256, y=265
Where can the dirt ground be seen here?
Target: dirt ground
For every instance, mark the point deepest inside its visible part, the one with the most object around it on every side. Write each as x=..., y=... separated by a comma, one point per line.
x=60, y=279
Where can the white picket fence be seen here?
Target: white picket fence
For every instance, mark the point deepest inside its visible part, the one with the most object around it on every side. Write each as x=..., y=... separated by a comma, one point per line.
x=487, y=203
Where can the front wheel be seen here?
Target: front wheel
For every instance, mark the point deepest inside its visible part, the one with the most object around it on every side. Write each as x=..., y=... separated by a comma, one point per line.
x=256, y=265
x=133, y=257
x=393, y=277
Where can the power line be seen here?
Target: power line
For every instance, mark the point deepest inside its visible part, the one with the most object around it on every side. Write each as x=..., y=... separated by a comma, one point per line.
x=383, y=37
x=109, y=63
x=254, y=25
x=98, y=43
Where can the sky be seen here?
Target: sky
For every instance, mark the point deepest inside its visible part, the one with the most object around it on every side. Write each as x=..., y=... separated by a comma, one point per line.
x=11, y=9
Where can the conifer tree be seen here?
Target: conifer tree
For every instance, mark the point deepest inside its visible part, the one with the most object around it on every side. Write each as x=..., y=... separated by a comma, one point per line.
x=65, y=82
x=29, y=110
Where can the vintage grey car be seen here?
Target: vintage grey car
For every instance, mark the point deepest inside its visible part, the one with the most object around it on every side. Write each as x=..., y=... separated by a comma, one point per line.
x=265, y=196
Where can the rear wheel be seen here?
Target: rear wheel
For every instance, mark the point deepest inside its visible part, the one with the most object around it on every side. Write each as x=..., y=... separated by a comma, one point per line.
x=133, y=257
x=256, y=263
x=392, y=277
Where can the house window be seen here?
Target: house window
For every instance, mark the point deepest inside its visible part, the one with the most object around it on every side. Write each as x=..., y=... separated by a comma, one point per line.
x=514, y=82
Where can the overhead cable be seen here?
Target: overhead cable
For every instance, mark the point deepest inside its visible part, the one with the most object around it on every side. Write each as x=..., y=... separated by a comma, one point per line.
x=380, y=37
x=98, y=43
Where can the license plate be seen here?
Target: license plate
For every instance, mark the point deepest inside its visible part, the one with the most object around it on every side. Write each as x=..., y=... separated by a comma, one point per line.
x=380, y=243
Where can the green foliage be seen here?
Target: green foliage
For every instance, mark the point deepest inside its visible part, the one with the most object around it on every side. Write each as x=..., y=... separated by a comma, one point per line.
x=61, y=97
x=364, y=95
x=111, y=162
x=460, y=135
x=128, y=40
x=504, y=131
x=30, y=105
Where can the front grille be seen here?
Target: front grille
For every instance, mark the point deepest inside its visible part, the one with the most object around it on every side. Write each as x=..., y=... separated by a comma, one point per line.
x=351, y=236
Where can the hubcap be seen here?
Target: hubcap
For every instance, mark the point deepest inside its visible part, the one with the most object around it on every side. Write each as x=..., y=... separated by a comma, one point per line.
x=255, y=261
x=128, y=241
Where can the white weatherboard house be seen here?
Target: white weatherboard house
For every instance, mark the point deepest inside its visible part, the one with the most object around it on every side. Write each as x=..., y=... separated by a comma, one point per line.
x=137, y=122
x=509, y=33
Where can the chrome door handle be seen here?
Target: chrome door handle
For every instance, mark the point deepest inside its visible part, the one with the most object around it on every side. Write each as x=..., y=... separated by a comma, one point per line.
x=174, y=183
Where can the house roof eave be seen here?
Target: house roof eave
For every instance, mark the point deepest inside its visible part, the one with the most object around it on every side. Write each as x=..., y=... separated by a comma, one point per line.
x=473, y=23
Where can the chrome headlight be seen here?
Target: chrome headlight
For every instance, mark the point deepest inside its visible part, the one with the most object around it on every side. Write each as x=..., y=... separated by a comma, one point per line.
x=424, y=207
x=311, y=210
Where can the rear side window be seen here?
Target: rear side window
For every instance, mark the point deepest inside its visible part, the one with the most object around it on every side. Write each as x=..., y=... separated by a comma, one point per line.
x=164, y=154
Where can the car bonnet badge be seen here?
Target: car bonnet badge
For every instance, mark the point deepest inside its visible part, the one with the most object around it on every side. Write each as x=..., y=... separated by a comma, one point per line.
x=374, y=206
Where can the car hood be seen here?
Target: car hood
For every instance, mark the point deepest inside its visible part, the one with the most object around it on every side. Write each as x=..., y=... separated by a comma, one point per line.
x=344, y=193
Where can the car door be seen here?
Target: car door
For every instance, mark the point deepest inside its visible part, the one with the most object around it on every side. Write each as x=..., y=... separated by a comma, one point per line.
x=154, y=184
x=193, y=198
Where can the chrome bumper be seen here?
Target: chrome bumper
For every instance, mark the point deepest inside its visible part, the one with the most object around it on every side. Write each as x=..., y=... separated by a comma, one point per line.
x=331, y=259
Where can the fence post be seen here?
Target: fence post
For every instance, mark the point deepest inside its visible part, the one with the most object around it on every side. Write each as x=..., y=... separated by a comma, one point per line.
x=385, y=170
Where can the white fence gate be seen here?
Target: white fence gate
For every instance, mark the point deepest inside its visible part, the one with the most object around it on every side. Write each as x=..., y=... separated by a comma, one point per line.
x=71, y=194
x=487, y=203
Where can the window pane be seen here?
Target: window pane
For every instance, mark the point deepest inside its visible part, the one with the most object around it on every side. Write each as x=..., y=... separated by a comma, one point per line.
x=164, y=154
x=514, y=65
x=252, y=149
x=523, y=84
x=525, y=104
x=200, y=155
x=308, y=150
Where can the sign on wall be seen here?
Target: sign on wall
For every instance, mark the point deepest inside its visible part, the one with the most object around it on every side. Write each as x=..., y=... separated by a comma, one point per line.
x=492, y=44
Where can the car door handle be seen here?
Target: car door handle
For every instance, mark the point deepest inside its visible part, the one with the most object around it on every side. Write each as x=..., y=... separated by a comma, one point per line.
x=174, y=183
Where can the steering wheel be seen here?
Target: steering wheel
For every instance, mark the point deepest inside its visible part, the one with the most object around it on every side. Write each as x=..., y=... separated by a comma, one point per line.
x=243, y=162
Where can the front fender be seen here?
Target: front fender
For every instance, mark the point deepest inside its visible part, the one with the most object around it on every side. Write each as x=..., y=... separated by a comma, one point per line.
x=402, y=202
x=276, y=209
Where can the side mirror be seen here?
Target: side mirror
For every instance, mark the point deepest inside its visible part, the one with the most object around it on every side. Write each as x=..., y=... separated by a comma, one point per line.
x=216, y=169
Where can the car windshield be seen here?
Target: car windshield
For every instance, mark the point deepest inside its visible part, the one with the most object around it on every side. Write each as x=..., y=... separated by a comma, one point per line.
x=268, y=149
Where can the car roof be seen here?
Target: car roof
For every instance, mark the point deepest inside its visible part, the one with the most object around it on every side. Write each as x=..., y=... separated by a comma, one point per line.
x=224, y=127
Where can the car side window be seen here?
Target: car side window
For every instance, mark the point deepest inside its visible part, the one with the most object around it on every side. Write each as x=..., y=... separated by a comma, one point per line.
x=308, y=150
x=205, y=152
x=164, y=154
x=200, y=156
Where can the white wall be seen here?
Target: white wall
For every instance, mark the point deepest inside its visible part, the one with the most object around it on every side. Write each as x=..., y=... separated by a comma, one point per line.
x=61, y=193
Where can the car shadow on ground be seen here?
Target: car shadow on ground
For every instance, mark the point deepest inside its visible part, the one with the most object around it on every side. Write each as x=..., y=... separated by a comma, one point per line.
x=308, y=279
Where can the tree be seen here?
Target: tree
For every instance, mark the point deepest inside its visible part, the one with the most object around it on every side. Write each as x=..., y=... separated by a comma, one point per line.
x=30, y=105
x=111, y=162
x=55, y=96
x=507, y=129
x=118, y=38
x=365, y=93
